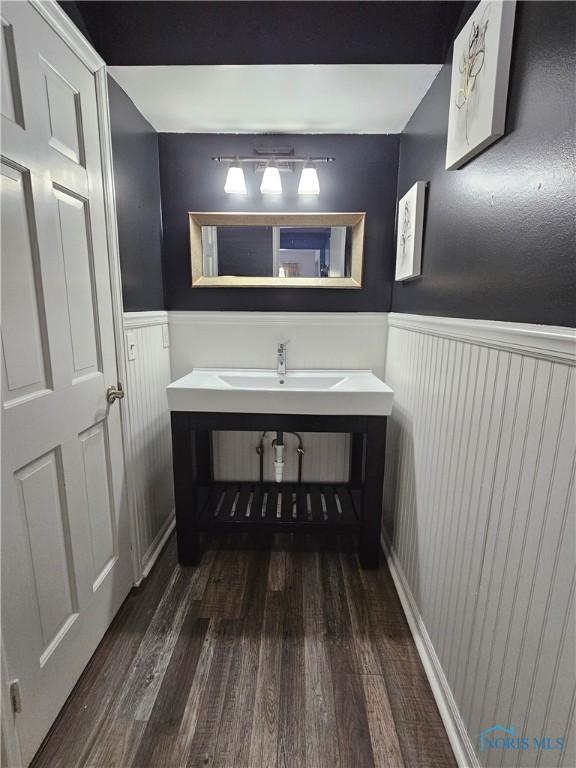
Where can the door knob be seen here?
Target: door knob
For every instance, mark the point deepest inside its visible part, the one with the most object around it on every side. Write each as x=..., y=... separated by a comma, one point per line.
x=114, y=393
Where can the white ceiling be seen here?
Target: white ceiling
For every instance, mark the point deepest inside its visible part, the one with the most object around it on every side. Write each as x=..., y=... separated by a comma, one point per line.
x=304, y=98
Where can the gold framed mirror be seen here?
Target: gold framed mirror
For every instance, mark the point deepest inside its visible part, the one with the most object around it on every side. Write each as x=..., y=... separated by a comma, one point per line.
x=276, y=250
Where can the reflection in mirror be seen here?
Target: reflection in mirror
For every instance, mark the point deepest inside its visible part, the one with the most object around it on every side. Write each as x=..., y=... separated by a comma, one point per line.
x=276, y=251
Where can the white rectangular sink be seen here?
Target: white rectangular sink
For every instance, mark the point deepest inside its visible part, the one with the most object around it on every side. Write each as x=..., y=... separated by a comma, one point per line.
x=301, y=380
x=338, y=393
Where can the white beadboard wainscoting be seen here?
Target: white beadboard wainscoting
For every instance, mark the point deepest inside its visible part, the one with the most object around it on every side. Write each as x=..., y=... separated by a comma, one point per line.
x=479, y=518
x=249, y=340
x=149, y=448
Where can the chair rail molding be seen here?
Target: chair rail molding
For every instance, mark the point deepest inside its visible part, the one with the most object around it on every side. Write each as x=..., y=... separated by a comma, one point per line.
x=145, y=318
x=549, y=342
x=371, y=319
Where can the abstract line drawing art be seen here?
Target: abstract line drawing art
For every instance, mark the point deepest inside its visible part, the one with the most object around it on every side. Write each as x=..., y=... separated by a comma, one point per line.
x=479, y=85
x=406, y=234
x=410, y=231
x=471, y=66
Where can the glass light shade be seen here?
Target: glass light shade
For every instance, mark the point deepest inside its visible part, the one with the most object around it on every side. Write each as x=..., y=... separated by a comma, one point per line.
x=271, y=183
x=309, y=184
x=235, y=181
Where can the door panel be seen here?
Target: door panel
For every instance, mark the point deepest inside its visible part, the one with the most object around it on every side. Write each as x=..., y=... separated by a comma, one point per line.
x=96, y=461
x=78, y=269
x=64, y=115
x=66, y=563
x=44, y=510
x=23, y=315
x=10, y=91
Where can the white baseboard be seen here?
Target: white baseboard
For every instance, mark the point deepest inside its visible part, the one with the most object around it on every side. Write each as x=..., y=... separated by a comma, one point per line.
x=455, y=728
x=156, y=548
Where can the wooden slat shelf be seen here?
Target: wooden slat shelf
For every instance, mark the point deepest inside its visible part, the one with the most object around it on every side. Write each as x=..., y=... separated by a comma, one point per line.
x=205, y=504
x=296, y=507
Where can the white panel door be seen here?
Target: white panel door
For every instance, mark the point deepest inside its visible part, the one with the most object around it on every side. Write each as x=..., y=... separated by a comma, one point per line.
x=66, y=563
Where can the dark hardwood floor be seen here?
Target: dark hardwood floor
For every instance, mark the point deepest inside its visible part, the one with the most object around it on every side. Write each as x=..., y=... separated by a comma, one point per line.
x=267, y=654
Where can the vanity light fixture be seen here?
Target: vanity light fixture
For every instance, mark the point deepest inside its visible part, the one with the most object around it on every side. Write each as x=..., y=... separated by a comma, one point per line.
x=273, y=164
x=271, y=182
x=235, y=181
x=309, y=184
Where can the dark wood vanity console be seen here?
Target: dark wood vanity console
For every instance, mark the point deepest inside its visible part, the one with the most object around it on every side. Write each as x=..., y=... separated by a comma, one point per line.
x=203, y=504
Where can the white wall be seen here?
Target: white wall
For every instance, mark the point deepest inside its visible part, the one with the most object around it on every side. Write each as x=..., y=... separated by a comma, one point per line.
x=249, y=340
x=149, y=452
x=479, y=506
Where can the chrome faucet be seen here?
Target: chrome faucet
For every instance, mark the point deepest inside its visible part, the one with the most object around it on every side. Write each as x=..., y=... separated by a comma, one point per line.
x=281, y=359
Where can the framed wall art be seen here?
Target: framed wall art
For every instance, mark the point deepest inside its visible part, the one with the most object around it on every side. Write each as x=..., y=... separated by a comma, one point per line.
x=410, y=232
x=479, y=86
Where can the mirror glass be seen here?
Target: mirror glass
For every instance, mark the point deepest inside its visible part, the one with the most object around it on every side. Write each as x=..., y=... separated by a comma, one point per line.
x=276, y=251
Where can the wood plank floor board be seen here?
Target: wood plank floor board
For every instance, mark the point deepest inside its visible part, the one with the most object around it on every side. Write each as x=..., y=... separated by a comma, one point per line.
x=382, y=728
x=191, y=714
x=157, y=743
x=209, y=722
x=118, y=745
x=336, y=614
x=291, y=734
x=322, y=746
x=155, y=652
x=264, y=739
x=233, y=747
x=269, y=654
x=350, y=707
x=354, y=742
x=233, y=744
x=422, y=746
x=222, y=598
x=277, y=571
x=360, y=618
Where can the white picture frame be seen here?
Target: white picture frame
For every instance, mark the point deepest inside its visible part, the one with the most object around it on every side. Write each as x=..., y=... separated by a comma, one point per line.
x=479, y=84
x=410, y=232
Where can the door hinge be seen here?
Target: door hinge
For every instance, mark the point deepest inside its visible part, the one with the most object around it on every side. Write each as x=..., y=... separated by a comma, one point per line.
x=15, y=696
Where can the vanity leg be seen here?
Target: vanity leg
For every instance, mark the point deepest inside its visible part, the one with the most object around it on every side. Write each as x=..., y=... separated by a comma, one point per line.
x=203, y=458
x=183, y=456
x=357, y=459
x=375, y=447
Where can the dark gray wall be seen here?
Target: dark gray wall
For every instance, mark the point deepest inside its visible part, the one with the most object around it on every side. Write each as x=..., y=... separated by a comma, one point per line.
x=165, y=32
x=137, y=181
x=499, y=238
x=245, y=251
x=363, y=178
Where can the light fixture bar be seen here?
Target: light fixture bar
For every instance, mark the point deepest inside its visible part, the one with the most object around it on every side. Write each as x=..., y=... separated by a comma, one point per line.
x=259, y=159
